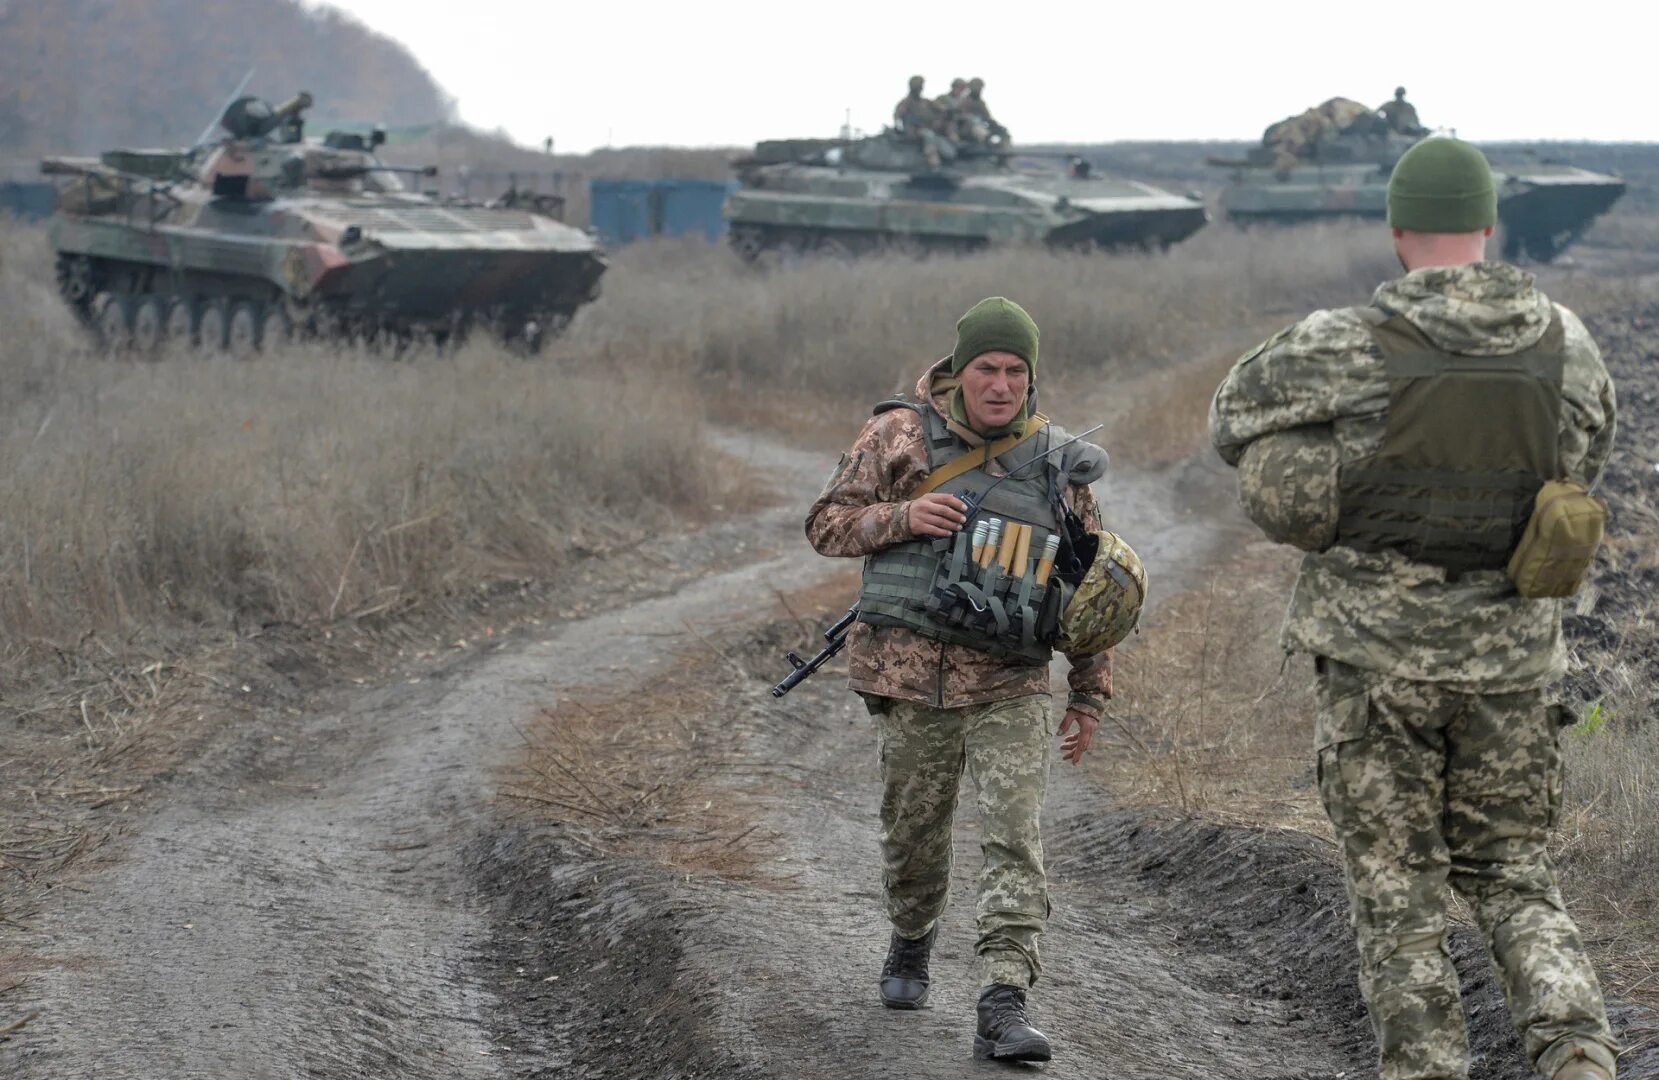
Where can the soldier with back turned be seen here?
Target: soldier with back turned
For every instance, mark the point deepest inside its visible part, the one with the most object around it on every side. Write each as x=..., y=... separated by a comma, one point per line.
x=1418, y=449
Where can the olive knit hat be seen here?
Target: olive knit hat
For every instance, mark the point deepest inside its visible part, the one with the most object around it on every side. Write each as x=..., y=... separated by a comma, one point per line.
x=1442, y=185
x=995, y=324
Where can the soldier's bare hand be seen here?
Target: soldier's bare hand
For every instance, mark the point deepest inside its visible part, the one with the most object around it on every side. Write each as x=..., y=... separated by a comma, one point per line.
x=1072, y=746
x=936, y=514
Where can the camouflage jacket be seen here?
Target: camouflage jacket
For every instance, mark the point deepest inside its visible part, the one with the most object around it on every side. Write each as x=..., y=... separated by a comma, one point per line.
x=1379, y=610
x=862, y=509
x=913, y=114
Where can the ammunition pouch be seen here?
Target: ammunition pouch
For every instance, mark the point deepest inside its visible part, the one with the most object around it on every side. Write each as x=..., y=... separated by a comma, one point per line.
x=936, y=588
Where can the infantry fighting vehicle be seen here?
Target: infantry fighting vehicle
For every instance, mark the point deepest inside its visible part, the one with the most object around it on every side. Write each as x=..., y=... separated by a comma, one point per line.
x=266, y=233
x=844, y=196
x=1542, y=205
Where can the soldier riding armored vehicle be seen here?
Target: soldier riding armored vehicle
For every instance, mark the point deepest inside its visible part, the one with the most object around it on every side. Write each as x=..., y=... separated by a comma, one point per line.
x=265, y=234
x=916, y=186
x=1334, y=160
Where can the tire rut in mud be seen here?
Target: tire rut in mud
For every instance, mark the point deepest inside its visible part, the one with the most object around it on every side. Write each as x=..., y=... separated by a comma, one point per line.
x=1176, y=947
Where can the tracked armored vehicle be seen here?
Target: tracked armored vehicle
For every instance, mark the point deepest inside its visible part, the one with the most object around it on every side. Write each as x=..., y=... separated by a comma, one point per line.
x=265, y=234
x=1543, y=206
x=842, y=196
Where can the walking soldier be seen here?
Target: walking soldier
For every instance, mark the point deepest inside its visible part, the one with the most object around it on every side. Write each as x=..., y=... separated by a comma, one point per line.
x=1432, y=452
x=954, y=636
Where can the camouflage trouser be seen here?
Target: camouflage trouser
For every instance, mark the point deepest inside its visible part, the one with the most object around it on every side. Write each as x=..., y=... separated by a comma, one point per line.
x=1424, y=786
x=1005, y=747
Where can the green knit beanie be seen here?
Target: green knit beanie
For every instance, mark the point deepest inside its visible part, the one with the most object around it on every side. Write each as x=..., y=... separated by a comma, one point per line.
x=1442, y=185
x=995, y=324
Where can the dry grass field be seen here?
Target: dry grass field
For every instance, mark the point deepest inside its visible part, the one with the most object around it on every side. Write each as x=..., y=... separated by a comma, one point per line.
x=143, y=504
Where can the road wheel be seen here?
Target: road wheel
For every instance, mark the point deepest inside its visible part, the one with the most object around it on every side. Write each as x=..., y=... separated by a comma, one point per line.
x=76, y=280
x=181, y=322
x=212, y=325
x=112, y=315
x=242, y=328
x=149, y=324
x=748, y=242
x=835, y=247
x=275, y=330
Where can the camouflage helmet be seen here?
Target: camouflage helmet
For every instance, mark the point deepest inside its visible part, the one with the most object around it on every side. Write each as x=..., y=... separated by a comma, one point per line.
x=958, y=84
x=1108, y=604
x=976, y=83
x=1287, y=484
x=1399, y=92
x=917, y=82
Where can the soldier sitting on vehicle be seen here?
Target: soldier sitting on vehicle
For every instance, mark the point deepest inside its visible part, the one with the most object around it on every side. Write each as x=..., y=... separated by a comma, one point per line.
x=922, y=121
x=1401, y=115
x=977, y=123
x=951, y=119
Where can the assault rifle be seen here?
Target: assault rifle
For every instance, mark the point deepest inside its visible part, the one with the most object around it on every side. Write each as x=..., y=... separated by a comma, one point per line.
x=837, y=638
x=836, y=635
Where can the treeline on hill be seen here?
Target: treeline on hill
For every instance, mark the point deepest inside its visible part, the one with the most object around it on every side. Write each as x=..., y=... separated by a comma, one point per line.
x=84, y=75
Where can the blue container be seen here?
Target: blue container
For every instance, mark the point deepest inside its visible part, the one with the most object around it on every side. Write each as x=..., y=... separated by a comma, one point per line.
x=28, y=200
x=627, y=210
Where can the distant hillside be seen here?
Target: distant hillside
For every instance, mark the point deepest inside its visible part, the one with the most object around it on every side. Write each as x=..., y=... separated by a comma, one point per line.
x=83, y=75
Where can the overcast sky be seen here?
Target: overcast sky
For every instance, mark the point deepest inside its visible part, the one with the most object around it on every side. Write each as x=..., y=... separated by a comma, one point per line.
x=611, y=72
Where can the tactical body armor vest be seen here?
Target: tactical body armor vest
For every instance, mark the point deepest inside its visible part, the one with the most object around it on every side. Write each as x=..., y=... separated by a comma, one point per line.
x=935, y=588
x=1470, y=441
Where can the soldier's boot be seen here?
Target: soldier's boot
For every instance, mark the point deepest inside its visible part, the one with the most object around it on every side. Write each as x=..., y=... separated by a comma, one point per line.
x=904, y=976
x=1582, y=1070
x=1005, y=1031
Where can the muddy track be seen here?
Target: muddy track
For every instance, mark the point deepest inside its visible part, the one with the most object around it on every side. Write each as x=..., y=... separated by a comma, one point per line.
x=336, y=895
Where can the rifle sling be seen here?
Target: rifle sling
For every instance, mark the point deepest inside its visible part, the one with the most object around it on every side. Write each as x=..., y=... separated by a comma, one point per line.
x=950, y=470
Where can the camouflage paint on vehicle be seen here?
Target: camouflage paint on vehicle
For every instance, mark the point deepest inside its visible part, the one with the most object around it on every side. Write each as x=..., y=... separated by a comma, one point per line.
x=268, y=233
x=1543, y=206
x=840, y=196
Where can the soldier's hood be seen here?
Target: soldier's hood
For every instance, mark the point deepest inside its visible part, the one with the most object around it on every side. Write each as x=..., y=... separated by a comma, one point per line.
x=1483, y=309
x=935, y=386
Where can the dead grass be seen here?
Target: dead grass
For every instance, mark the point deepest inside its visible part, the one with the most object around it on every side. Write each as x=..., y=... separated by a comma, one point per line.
x=1209, y=715
x=622, y=787
x=142, y=499
x=817, y=331
x=682, y=788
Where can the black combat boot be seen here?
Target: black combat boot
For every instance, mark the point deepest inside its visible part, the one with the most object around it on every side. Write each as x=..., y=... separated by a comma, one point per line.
x=904, y=975
x=1005, y=1031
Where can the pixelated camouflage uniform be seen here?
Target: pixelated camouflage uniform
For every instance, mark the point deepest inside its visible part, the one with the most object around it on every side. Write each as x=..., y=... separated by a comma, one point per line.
x=1436, y=733
x=942, y=708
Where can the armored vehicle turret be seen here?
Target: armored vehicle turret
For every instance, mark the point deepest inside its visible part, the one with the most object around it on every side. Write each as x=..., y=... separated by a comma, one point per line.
x=266, y=233
x=852, y=195
x=1343, y=171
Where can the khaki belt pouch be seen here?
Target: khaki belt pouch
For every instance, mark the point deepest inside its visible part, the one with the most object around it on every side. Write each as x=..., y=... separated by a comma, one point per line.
x=1559, y=545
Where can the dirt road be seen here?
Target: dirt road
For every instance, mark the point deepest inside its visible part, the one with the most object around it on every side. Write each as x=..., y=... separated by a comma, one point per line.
x=337, y=895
